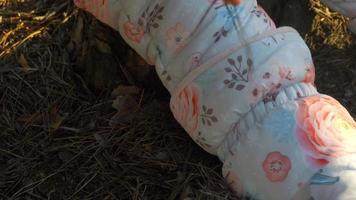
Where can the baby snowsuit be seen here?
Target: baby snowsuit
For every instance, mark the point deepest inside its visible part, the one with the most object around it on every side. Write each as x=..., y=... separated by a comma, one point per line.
x=243, y=90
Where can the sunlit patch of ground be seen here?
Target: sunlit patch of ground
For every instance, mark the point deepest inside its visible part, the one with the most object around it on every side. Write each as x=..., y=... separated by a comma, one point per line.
x=61, y=138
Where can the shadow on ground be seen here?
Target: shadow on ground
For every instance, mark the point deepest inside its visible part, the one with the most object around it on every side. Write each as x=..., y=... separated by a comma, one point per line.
x=61, y=138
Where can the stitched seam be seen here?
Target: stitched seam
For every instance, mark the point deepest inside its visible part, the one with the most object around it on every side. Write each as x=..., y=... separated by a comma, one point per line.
x=243, y=124
x=213, y=61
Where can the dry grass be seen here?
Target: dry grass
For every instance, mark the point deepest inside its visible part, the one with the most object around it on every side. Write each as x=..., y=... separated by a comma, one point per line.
x=328, y=28
x=58, y=139
x=333, y=48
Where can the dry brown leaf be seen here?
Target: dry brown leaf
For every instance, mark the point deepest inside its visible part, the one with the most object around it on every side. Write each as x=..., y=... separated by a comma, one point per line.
x=23, y=62
x=148, y=147
x=102, y=46
x=56, y=122
x=56, y=119
x=77, y=35
x=125, y=103
x=123, y=90
x=126, y=107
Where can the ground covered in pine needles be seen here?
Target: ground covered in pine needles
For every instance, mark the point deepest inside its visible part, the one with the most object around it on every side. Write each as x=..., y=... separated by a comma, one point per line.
x=72, y=126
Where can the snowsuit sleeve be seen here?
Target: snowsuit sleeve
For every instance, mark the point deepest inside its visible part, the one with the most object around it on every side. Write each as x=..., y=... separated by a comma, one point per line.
x=244, y=91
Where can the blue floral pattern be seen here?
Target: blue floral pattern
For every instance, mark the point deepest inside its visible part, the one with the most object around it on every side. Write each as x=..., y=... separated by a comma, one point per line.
x=230, y=15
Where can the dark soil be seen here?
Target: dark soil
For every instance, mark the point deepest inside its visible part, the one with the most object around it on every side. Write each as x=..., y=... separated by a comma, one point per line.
x=62, y=138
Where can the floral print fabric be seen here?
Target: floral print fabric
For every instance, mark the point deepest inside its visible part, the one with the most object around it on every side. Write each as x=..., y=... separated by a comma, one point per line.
x=186, y=108
x=278, y=150
x=294, y=144
x=276, y=166
x=325, y=130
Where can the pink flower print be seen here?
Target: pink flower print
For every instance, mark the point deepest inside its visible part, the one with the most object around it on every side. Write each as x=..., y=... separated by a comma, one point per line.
x=234, y=183
x=325, y=130
x=255, y=92
x=276, y=166
x=175, y=36
x=285, y=73
x=133, y=32
x=186, y=108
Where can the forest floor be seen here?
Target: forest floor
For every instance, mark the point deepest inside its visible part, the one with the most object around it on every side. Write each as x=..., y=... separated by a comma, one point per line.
x=72, y=126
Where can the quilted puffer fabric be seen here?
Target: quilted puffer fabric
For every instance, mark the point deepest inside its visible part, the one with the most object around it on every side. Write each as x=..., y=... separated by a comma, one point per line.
x=244, y=91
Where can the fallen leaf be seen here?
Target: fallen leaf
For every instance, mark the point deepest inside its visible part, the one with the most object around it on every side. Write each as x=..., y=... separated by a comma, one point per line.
x=123, y=90
x=147, y=147
x=126, y=107
x=56, y=123
x=23, y=62
x=77, y=33
x=102, y=46
x=56, y=119
x=124, y=103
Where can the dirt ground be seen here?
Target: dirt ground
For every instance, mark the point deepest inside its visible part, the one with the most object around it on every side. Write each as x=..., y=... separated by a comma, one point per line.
x=72, y=126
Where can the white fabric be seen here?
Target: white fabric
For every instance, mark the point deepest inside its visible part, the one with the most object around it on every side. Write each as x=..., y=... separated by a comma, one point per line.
x=243, y=90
